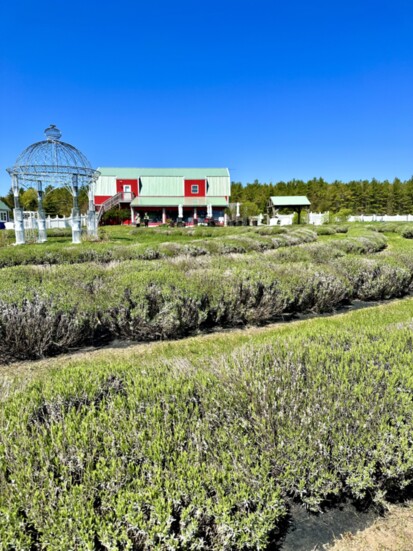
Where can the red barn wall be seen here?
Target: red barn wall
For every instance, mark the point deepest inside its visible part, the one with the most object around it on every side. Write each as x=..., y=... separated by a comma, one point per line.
x=201, y=188
x=99, y=199
x=132, y=183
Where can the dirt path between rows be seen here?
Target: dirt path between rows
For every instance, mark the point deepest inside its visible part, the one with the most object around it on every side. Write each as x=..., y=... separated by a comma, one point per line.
x=394, y=532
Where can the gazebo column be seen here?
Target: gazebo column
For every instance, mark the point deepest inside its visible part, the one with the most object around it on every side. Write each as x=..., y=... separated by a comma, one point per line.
x=163, y=216
x=41, y=217
x=76, y=220
x=195, y=214
x=18, y=214
x=92, y=222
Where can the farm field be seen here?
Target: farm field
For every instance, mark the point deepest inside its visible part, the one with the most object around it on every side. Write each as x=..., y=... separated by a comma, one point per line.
x=242, y=276
x=202, y=443
x=203, y=440
x=118, y=243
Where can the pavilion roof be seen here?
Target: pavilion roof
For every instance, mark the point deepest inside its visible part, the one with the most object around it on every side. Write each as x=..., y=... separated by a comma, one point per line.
x=290, y=201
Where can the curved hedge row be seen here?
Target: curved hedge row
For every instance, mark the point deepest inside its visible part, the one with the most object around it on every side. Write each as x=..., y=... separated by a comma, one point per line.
x=204, y=456
x=207, y=242
x=405, y=230
x=45, y=311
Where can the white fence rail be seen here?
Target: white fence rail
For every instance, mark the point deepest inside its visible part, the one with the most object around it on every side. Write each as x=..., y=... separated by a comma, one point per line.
x=282, y=220
x=314, y=218
x=30, y=222
x=382, y=218
x=319, y=218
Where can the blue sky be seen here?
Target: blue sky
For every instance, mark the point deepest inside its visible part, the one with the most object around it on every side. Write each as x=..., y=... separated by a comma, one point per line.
x=273, y=90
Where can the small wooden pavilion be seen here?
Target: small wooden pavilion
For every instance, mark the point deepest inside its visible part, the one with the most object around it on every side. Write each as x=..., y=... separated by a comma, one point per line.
x=293, y=202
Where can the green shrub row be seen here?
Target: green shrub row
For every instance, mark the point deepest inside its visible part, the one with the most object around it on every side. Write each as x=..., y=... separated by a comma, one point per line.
x=104, y=252
x=405, y=230
x=47, y=310
x=204, y=455
x=140, y=462
x=330, y=229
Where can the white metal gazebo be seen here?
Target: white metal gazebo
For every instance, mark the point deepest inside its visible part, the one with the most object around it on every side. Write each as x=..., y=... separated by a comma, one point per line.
x=53, y=162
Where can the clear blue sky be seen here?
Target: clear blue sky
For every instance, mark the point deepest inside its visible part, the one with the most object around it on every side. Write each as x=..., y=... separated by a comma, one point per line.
x=273, y=90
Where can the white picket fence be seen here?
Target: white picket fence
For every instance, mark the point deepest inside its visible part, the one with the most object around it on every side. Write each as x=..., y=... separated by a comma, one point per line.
x=314, y=218
x=382, y=218
x=319, y=218
x=30, y=222
x=282, y=220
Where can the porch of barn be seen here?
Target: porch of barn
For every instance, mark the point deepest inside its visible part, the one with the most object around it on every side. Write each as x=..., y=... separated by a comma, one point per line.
x=178, y=213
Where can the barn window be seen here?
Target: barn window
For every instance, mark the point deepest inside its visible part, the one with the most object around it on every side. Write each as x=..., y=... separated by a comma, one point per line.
x=195, y=189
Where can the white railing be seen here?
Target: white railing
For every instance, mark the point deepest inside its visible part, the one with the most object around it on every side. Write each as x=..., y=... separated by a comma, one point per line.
x=121, y=197
x=282, y=220
x=314, y=218
x=318, y=218
x=30, y=223
x=382, y=218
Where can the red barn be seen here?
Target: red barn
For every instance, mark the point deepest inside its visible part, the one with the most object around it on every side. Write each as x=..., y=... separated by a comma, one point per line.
x=165, y=193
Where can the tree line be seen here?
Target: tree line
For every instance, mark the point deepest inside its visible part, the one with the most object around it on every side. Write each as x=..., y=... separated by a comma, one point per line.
x=56, y=201
x=358, y=196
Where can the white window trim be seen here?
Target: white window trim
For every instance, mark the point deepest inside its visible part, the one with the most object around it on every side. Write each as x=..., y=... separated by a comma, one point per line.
x=197, y=189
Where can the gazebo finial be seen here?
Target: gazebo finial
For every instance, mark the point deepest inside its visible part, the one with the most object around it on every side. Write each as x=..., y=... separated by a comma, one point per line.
x=53, y=133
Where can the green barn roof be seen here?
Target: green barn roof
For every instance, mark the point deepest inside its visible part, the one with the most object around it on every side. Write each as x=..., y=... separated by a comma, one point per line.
x=190, y=173
x=290, y=201
x=3, y=206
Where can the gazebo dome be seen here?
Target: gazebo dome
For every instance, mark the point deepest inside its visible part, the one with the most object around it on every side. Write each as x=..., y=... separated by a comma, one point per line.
x=53, y=162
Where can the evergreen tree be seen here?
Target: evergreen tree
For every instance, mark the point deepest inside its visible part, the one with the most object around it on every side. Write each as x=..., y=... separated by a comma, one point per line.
x=359, y=196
